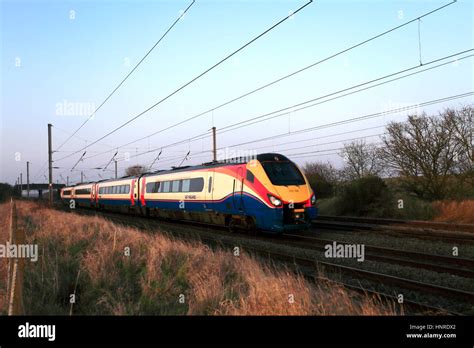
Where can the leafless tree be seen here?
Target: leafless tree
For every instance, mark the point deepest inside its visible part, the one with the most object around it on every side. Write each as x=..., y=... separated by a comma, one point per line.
x=361, y=159
x=322, y=177
x=426, y=150
x=135, y=170
x=462, y=122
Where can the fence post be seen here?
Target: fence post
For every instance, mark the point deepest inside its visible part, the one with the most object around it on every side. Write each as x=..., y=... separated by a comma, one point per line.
x=15, y=267
x=11, y=240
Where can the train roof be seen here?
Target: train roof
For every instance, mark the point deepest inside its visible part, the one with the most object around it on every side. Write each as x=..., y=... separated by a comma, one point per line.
x=231, y=161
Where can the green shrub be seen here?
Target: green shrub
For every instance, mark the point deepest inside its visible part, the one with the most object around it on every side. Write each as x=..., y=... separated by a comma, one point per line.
x=368, y=196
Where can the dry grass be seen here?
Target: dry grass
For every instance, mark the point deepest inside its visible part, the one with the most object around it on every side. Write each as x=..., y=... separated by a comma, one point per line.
x=455, y=211
x=87, y=254
x=4, y=228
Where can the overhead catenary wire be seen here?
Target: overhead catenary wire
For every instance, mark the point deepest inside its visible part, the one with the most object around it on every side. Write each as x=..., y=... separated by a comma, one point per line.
x=338, y=123
x=257, y=119
x=284, y=111
x=191, y=81
x=127, y=76
x=252, y=120
x=211, y=110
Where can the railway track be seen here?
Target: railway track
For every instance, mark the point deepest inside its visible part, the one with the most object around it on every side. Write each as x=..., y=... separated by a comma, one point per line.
x=438, y=263
x=442, y=231
x=309, y=266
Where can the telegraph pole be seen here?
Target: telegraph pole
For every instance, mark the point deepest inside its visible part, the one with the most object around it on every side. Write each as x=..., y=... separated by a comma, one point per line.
x=50, y=162
x=214, y=147
x=28, y=179
x=21, y=184
x=67, y=180
x=115, y=169
x=82, y=177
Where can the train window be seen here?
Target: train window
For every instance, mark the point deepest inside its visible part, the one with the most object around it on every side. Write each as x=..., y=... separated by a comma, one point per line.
x=152, y=187
x=67, y=192
x=283, y=173
x=122, y=189
x=196, y=185
x=175, y=186
x=250, y=177
x=85, y=191
x=115, y=190
x=127, y=189
x=185, y=185
x=210, y=185
x=166, y=186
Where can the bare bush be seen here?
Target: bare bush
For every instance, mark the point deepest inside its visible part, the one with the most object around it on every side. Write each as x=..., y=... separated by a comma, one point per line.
x=135, y=170
x=361, y=159
x=426, y=150
x=322, y=177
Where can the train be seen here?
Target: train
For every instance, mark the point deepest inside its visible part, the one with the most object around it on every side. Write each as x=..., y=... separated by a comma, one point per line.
x=265, y=192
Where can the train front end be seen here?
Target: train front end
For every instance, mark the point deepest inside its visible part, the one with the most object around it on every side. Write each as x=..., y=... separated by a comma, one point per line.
x=291, y=200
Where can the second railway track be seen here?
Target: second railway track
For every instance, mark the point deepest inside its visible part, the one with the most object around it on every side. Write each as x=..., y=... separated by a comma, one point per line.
x=445, y=232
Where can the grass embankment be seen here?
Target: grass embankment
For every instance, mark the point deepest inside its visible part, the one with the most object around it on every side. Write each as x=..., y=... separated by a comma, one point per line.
x=87, y=255
x=455, y=211
x=413, y=209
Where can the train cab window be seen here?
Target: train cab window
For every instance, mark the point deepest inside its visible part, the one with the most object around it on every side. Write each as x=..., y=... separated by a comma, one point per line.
x=209, y=188
x=283, y=173
x=185, y=185
x=196, y=185
x=66, y=192
x=250, y=177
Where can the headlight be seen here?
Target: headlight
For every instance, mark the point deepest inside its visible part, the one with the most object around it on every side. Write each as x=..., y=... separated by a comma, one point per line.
x=313, y=199
x=275, y=201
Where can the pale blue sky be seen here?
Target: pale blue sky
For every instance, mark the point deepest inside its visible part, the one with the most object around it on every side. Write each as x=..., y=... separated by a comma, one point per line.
x=80, y=60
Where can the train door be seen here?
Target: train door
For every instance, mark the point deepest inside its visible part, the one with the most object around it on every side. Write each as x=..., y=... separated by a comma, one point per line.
x=93, y=194
x=96, y=195
x=238, y=191
x=142, y=189
x=209, y=190
x=133, y=192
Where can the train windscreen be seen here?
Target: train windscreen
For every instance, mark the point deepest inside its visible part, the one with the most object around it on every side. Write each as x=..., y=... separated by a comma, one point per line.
x=283, y=173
